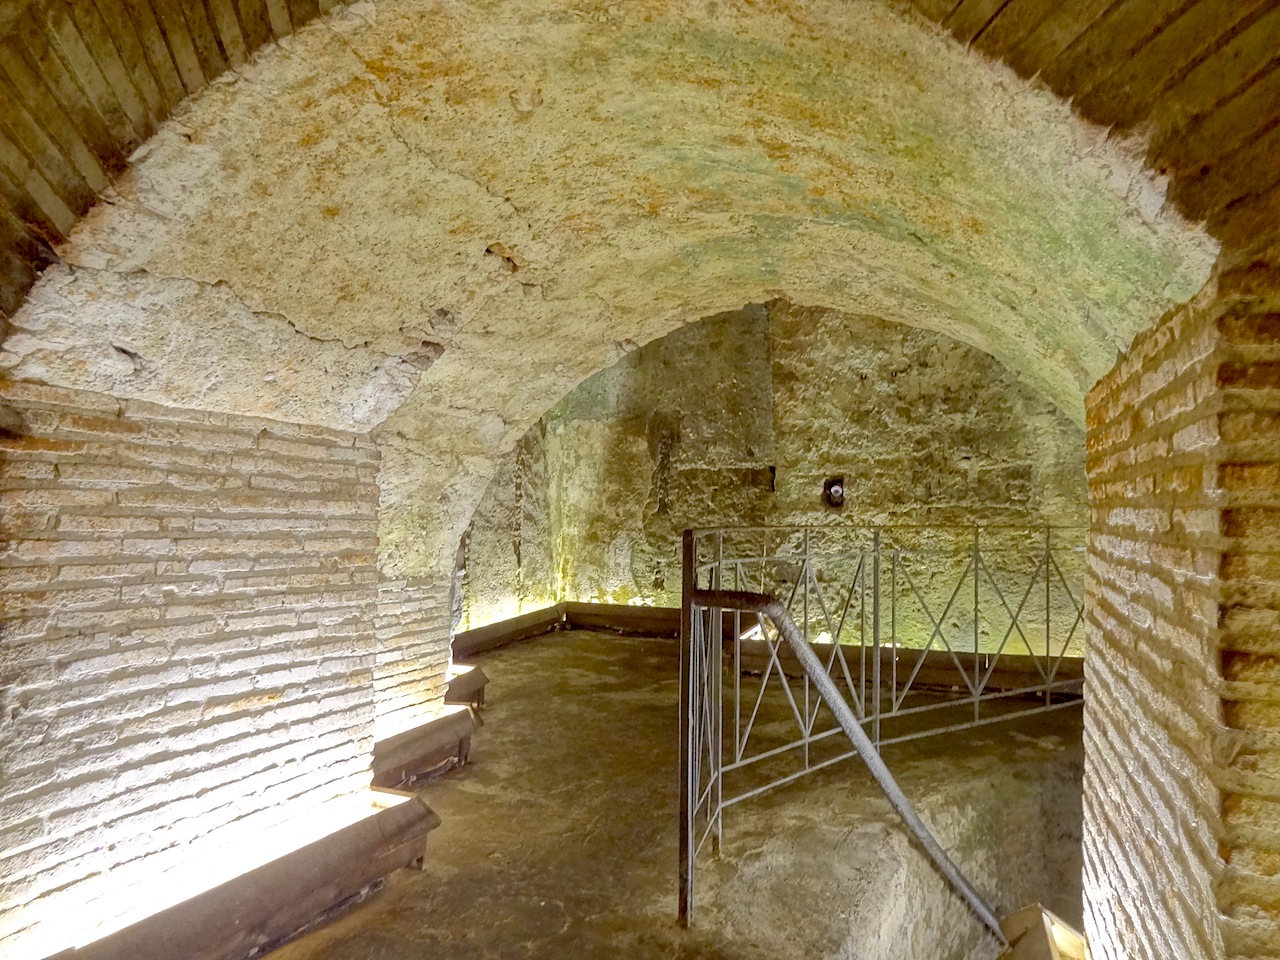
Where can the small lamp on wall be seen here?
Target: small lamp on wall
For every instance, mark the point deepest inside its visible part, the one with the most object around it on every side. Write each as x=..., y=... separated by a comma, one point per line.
x=833, y=492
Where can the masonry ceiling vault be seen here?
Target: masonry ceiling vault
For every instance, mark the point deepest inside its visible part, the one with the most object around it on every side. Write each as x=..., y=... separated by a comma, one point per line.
x=440, y=217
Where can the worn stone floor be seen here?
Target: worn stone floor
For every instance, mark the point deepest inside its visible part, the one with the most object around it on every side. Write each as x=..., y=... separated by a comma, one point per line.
x=559, y=839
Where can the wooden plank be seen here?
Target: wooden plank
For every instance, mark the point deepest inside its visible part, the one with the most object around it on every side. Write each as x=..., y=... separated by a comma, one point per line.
x=1250, y=171
x=303, y=12
x=181, y=47
x=1054, y=34
x=936, y=10
x=1109, y=40
x=1124, y=97
x=281, y=23
x=1013, y=25
x=31, y=40
x=204, y=35
x=410, y=754
x=1251, y=52
x=230, y=35
x=116, y=18
x=271, y=902
x=30, y=196
x=623, y=618
x=65, y=37
x=256, y=22
x=97, y=38
x=470, y=642
x=156, y=52
x=468, y=685
x=1227, y=127
x=25, y=87
x=971, y=17
x=30, y=137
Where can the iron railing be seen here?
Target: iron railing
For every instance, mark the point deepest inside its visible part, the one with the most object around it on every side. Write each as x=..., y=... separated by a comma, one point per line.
x=923, y=630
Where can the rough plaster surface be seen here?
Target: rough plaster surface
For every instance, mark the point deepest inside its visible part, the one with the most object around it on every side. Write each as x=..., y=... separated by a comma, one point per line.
x=560, y=839
x=536, y=188
x=166, y=341
x=737, y=420
x=508, y=553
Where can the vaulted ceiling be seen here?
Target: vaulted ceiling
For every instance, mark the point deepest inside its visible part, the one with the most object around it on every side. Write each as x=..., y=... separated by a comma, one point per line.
x=83, y=84
x=440, y=216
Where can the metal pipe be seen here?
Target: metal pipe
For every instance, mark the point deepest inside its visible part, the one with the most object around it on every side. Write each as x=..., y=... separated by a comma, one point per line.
x=687, y=732
x=875, y=638
x=775, y=611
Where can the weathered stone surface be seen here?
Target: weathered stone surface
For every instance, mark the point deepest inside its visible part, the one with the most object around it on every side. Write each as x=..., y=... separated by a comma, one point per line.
x=194, y=344
x=738, y=420
x=508, y=555
x=539, y=186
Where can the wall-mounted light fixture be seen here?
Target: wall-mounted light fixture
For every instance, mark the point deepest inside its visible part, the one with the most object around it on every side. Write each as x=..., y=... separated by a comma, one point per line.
x=833, y=492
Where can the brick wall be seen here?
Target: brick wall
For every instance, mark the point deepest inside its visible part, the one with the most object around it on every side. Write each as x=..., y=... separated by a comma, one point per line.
x=1182, y=826
x=190, y=603
x=413, y=636
x=1249, y=637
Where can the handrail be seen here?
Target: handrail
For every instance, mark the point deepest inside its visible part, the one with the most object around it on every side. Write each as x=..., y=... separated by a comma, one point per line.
x=775, y=611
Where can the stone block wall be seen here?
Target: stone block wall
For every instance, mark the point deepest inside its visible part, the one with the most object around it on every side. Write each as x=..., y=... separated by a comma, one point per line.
x=190, y=603
x=737, y=420
x=1248, y=473
x=1182, y=833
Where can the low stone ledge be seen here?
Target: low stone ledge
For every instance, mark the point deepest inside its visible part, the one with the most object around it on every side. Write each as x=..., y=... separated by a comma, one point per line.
x=470, y=642
x=465, y=685
x=409, y=755
x=940, y=668
x=624, y=618
x=618, y=617
x=272, y=903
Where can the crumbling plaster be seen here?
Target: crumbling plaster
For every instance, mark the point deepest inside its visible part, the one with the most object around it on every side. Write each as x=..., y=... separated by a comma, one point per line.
x=528, y=191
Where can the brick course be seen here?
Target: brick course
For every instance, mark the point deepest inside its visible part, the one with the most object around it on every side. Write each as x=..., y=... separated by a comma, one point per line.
x=413, y=635
x=1182, y=778
x=194, y=635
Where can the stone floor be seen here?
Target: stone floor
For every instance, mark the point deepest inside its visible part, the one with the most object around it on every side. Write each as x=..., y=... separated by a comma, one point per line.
x=559, y=840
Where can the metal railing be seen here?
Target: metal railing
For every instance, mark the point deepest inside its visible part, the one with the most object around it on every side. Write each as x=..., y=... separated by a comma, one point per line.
x=923, y=630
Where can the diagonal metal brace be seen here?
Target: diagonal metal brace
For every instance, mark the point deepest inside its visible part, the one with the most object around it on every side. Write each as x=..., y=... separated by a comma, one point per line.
x=768, y=606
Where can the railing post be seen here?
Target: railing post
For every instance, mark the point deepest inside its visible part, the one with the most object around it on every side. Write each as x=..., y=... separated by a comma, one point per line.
x=875, y=638
x=806, y=572
x=687, y=786
x=715, y=664
x=977, y=662
x=1048, y=645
